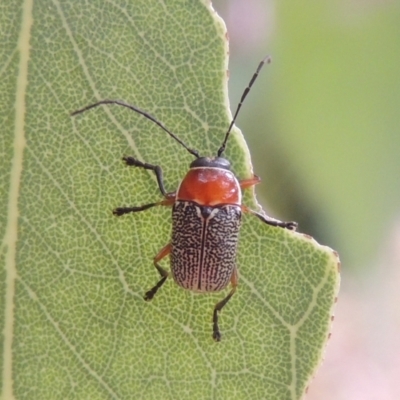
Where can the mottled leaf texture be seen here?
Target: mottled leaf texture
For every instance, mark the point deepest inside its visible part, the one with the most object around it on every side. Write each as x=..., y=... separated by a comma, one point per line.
x=74, y=322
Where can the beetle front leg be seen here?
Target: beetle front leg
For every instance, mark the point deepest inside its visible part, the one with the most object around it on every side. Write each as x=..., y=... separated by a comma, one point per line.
x=169, y=198
x=218, y=307
x=164, y=274
x=155, y=168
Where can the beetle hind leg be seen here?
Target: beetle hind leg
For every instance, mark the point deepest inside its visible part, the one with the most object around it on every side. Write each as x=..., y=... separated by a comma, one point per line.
x=218, y=307
x=164, y=274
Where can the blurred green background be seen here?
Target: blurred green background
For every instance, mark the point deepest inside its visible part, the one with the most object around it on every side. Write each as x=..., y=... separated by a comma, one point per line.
x=323, y=126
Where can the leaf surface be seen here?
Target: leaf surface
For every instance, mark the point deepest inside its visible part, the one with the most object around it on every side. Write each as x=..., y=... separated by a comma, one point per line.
x=75, y=323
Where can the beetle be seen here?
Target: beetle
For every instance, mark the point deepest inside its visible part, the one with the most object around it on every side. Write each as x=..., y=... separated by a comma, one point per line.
x=206, y=215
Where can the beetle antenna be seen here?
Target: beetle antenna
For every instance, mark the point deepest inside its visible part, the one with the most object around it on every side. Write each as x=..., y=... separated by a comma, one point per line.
x=139, y=111
x=266, y=60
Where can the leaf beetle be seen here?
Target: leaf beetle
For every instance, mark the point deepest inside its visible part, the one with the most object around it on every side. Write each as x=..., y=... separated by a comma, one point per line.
x=206, y=216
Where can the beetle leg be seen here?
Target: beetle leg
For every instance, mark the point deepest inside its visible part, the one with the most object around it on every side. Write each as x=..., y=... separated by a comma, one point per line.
x=169, y=197
x=125, y=210
x=168, y=201
x=218, y=307
x=246, y=183
x=164, y=274
x=291, y=225
x=157, y=170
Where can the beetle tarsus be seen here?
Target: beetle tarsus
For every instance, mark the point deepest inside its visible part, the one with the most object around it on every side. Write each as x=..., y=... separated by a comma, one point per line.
x=218, y=307
x=216, y=333
x=126, y=210
x=133, y=162
x=151, y=293
x=291, y=225
x=121, y=211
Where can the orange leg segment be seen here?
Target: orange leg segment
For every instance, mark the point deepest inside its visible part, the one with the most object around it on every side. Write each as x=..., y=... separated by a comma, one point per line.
x=169, y=199
x=165, y=251
x=246, y=183
x=218, y=307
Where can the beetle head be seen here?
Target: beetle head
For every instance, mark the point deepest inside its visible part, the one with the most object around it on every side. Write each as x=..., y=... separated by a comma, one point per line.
x=211, y=162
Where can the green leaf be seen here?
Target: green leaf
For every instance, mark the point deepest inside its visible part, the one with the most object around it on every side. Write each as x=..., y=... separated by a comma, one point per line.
x=75, y=323
x=335, y=106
